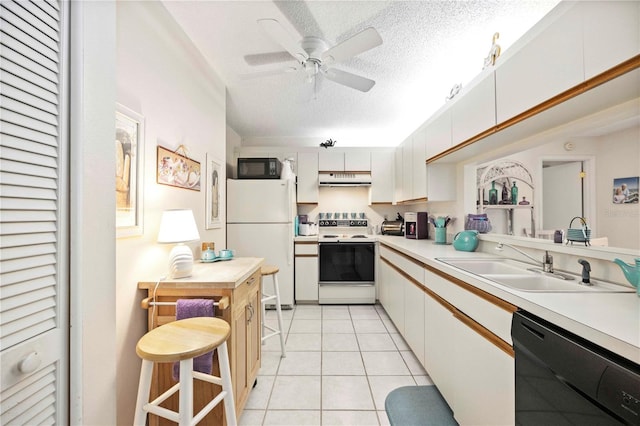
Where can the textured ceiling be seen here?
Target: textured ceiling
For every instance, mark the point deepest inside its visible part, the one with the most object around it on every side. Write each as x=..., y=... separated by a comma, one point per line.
x=428, y=47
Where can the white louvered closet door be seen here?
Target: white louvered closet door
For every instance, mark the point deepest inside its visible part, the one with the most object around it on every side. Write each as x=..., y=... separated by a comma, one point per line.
x=34, y=245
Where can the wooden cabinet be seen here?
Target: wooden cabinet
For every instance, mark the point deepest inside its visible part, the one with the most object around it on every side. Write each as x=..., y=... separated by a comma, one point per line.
x=550, y=63
x=382, y=172
x=235, y=285
x=307, y=185
x=475, y=111
x=610, y=34
x=306, y=271
x=246, y=320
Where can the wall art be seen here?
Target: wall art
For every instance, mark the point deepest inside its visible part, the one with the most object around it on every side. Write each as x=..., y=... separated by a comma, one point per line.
x=626, y=190
x=174, y=168
x=129, y=150
x=214, y=199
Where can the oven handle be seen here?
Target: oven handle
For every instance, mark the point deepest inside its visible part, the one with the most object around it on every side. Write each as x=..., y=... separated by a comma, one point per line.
x=347, y=284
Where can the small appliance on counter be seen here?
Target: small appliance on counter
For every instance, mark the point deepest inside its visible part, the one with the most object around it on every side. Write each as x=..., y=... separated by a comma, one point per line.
x=416, y=225
x=307, y=228
x=259, y=168
x=393, y=227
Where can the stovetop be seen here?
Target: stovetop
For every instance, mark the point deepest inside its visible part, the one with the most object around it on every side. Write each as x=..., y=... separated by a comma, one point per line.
x=345, y=237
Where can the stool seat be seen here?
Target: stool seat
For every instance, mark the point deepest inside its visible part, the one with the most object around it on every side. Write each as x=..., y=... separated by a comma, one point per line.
x=269, y=270
x=183, y=339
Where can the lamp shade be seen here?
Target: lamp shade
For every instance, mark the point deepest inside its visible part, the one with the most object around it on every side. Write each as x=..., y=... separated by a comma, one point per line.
x=177, y=226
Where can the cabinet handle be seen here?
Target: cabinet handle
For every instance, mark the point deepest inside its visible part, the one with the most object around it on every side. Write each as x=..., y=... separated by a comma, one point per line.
x=251, y=280
x=251, y=312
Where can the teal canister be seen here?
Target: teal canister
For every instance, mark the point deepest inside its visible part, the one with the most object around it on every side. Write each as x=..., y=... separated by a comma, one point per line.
x=466, y=240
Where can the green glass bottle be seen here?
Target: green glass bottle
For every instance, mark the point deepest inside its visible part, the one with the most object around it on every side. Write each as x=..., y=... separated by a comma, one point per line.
x=493, y=194
x=514, y=193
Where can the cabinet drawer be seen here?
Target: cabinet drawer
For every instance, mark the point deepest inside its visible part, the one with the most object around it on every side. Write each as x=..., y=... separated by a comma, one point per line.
x=494, y=318
x=306, y=248
x=411, y=267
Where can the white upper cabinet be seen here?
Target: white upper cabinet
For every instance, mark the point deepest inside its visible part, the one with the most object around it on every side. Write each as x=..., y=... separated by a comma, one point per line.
x=407, y=169
x=475, y=111
x=357, y=161
x=418, y=164
x=398, y=175
x=438, y=134
x=550, y=63
x=308, y=190
x=611, y=34
x=344, y=161
x=381, y=176
x=441, y=181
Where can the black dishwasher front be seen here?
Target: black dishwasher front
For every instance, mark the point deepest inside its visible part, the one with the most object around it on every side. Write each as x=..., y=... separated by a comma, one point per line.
x=562, y=379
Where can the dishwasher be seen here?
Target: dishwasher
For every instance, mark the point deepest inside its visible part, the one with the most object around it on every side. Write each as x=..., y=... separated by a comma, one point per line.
x=562, y=379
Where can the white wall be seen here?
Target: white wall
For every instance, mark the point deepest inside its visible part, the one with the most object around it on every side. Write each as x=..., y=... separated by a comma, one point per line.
x=618, y=157
x=161, y=76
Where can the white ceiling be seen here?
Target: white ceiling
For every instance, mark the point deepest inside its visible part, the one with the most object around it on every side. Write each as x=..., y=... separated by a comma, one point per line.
x=428, y=47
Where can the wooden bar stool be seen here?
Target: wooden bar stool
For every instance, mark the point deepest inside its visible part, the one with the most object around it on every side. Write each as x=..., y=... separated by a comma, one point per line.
x=182, y=341
x=273, y=271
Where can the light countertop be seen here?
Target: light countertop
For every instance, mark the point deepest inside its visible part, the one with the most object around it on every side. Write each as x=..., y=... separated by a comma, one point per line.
x=220, y=274
x=611, y=320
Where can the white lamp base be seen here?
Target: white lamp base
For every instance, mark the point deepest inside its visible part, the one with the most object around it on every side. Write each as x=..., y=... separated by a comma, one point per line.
x=180, y=261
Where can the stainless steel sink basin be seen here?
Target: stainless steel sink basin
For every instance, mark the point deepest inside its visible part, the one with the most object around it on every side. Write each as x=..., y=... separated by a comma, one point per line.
x=523, y=277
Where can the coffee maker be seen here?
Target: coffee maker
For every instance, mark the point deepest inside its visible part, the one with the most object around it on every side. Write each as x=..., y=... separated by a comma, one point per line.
x=416, y=225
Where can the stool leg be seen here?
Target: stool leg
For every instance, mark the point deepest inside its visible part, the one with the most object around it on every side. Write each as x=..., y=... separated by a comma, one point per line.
x=225, y=375
x=276, y=288
x=185, y=410
x=144, y=386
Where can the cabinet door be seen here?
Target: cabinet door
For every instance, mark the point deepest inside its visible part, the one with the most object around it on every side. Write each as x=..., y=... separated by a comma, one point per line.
x=407, y=169
x=482, y=369
x=307, y=278
x=439, y=348
x=331, y=161
x=395, y=287
x=254, y=335
x=438, y=134
x=398, y=175
x=441, y=181
x=610, y=34
x=418, y=165
x=475, y=110
x=240, y=358
x=307, y=190
x=549, y=64
x=381, y=177
x=382, y=283
x=414, y=318
x=357, y=161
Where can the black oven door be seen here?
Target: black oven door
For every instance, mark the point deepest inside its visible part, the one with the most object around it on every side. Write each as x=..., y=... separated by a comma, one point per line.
x=347, y=263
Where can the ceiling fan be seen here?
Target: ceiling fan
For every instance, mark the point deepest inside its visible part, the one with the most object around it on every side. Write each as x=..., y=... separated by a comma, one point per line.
x=314, y=57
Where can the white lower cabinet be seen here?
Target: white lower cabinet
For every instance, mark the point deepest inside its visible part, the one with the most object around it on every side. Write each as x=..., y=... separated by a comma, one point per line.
x=306, y=272
x=458, y=333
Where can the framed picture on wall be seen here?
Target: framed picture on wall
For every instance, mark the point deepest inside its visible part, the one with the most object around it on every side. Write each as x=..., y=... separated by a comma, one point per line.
x=626, y=190
x=176, y=169
x=129, y=167
x=214, y=182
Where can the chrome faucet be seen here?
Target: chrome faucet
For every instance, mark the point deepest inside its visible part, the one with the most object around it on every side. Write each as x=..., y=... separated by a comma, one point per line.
x=547, y=259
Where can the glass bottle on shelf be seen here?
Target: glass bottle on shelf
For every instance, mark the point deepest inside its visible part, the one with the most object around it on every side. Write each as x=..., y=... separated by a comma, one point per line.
x=505, y=195
x=493, y=194
x=514, y=193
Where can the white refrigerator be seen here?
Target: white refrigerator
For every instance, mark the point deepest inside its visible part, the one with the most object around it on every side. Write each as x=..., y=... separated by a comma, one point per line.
x=260, y=223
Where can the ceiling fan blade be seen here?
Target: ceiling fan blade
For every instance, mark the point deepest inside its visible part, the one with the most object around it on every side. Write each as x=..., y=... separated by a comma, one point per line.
x=257, y=59
x=282, y=37
x=361, y=42
x=269, y=73
x=345, y=78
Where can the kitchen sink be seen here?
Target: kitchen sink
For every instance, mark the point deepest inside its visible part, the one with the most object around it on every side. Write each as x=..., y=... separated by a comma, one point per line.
x=526, y=277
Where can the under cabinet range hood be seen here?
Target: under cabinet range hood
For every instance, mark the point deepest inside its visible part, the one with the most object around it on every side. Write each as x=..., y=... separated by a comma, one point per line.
x=344, y=179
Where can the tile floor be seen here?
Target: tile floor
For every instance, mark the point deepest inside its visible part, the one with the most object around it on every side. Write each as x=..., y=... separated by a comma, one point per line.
x=342, y=361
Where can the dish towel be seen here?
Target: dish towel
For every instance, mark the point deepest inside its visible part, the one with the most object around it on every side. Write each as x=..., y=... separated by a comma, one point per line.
x=190, y=308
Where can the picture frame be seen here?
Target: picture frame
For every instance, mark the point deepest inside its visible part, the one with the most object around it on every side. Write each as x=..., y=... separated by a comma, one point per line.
x=129, y=158
x=178, y=170
x=214, y=200
x=626, y=190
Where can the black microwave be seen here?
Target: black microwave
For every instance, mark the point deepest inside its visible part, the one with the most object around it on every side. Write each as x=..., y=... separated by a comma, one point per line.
x=259, y=168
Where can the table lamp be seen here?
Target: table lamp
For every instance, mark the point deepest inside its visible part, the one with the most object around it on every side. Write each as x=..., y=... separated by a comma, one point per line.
x=178, y=227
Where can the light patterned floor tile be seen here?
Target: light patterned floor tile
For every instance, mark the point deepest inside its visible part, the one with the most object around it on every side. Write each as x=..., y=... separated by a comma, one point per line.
x=342, y=364
x=346, y=393
x=384, y=364
x=308, y=312
x=337, y=326
x=376, y=342
x=269, y=363
x=423, y=380
x=296, y=393
x=349, y=418
x=363, y=312
x=259, y=396
x=369, y=326
x=251, y=418
x=335, y=312
x=399, y=341
x=339, y=342
x=300, y=364
x=304, y=342
x=382, y=385
x=306, y=326
x=383, y=418
x=413, y=363
x=292, y=418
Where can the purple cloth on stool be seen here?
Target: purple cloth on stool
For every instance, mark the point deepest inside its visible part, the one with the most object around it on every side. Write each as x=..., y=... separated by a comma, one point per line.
x=190, y=308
